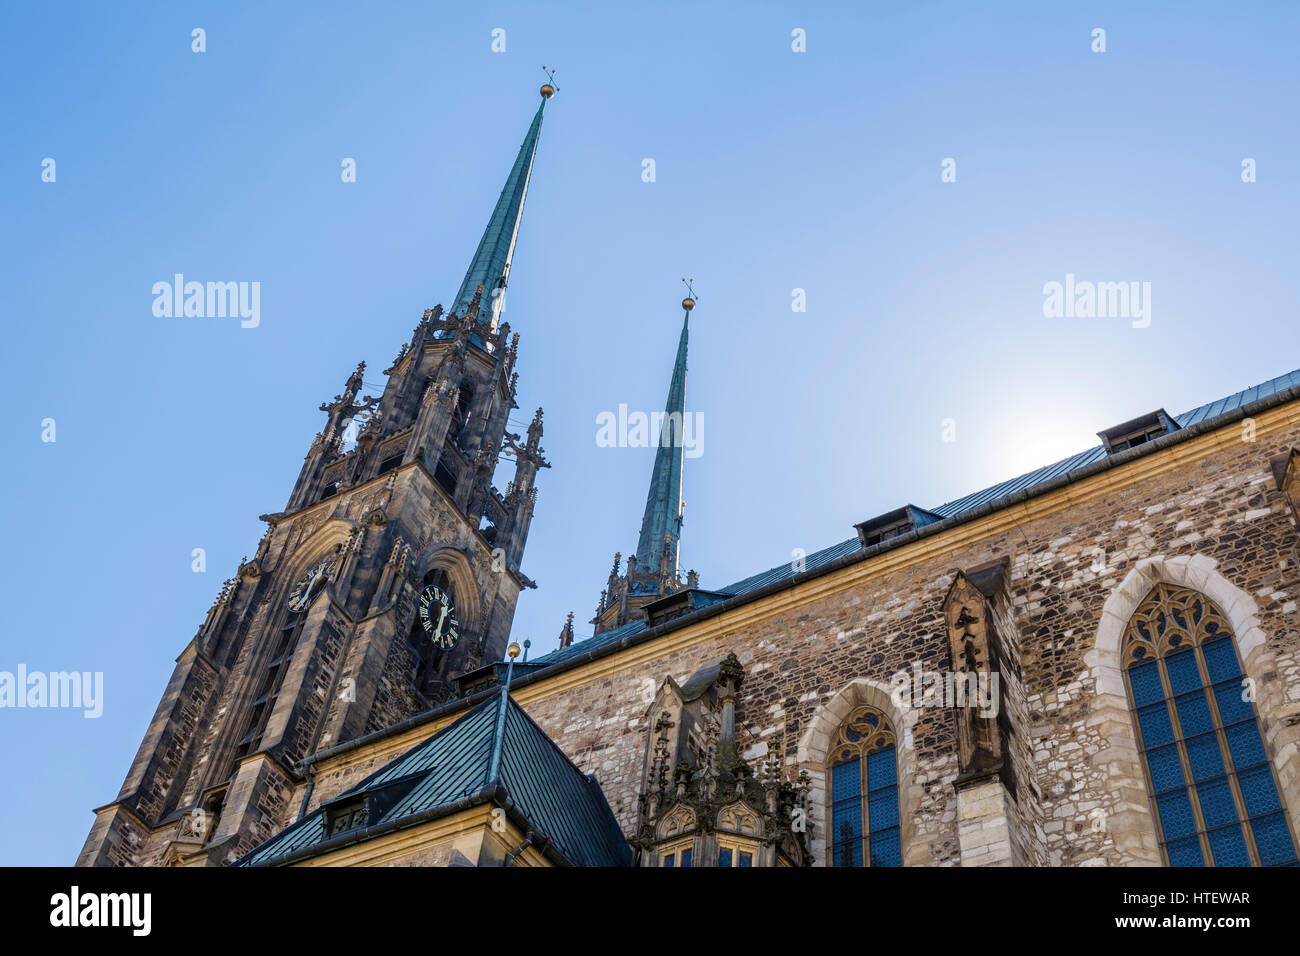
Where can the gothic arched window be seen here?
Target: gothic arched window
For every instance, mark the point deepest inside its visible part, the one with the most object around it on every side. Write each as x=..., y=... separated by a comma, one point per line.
x=864, y=823
x=269, y=686
x=1211, y=785
x=461, y=416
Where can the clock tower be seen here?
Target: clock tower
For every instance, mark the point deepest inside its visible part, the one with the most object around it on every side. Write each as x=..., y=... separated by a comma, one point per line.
x=393, y=568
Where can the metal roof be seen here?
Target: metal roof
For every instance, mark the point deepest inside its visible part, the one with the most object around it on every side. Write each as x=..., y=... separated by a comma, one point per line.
x=988, y=496
x=454, y=764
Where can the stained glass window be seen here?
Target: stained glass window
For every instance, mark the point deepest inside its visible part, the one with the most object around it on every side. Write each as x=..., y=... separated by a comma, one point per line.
x=864, y=824
x=677, y=855
x=1212, y=789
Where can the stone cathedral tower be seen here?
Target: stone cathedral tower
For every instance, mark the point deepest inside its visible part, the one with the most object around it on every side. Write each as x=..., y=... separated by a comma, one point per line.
x=394, y=567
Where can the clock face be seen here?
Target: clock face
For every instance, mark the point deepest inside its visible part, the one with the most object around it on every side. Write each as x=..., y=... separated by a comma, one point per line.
x=438, y=615
x=307, y=586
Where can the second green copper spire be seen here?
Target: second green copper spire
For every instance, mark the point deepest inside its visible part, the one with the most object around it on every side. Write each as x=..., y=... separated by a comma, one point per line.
x=661, y=526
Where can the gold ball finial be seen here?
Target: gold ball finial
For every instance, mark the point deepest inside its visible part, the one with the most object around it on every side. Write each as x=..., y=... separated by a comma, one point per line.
x=549, y=88
x=547, y=91
x=688, y=303
x=514, y=650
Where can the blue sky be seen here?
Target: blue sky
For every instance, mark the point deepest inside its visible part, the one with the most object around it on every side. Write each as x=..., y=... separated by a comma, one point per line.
x=775, y=171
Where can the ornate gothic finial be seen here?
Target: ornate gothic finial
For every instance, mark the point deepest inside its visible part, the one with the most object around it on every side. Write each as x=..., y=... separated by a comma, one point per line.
x=712, y=736
x=472, y=309
x=731, y=673
x=535, y=431
x=566, y=632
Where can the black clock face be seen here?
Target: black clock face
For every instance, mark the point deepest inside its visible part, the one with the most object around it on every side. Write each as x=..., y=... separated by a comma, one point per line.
x=308, y=585
x=438, y=616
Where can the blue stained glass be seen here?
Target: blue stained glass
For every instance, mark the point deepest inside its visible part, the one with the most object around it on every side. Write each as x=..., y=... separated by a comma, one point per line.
x=1156, y=729
x=1145, y=681
x=882, y=769
x=1176, y=814
x=1259, y=791
x=1245, y=746
x=1184, y=675
x=1166, y=769
x=1273, y=840
x=1194, y=714
x=745, y=859
x=848, y=854
x=1205, y=756
x=847, y=821
x=1217, y=806
x=1228, y=847
x=1221, y=659
x=1231, y=706
x=885, y=849
x=1185, y=853
x=669, y=859
x=686, y=857
x=846, y=781
x=882, y=810
x=724, y=856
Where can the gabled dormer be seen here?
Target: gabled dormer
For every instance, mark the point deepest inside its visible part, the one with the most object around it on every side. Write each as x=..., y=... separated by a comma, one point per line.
x=1139, y=431
x=894, y=523
x=355, y=811
x=679, y=604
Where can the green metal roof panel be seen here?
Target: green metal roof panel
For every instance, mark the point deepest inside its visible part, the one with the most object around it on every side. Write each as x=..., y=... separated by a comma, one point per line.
x=457, y=750
x=547, y=789
x=454, y=764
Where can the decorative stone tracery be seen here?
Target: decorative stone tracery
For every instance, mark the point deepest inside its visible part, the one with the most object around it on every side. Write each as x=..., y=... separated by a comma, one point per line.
x=1129, y=821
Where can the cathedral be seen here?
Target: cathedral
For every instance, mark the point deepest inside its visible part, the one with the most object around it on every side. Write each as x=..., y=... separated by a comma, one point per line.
x=1093, y=664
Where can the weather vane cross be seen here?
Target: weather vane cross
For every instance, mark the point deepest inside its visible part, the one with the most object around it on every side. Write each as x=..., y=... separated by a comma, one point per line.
x=688, y=303
x=549, y=88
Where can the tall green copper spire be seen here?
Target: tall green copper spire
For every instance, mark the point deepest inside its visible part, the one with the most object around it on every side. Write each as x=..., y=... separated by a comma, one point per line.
x=490, y=267
x=661, y=527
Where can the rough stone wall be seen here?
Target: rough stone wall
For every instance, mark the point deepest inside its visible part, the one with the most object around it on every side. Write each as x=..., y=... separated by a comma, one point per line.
x=318, y=683
x=174, y=726
x=1224, y=506
x=1024, y=810
x=396, y=698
